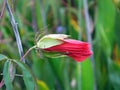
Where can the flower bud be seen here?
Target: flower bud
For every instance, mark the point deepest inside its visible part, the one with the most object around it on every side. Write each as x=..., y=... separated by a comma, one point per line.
x=59, y=44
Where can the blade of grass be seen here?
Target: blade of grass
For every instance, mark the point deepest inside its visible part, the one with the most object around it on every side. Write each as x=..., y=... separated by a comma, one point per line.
x=79, y=65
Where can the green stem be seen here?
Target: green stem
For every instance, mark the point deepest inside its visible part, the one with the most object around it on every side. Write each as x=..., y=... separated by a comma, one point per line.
x=79, y=65
x=27, y=52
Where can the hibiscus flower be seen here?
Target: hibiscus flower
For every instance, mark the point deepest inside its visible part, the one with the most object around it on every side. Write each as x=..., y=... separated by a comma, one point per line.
x=75, y=49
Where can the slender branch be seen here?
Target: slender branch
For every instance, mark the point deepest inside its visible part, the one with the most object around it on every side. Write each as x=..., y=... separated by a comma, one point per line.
x=87, y=19
x=15, y=29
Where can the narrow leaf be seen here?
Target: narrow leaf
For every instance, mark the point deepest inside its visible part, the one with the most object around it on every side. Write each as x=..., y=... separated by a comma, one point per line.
x=6, y=75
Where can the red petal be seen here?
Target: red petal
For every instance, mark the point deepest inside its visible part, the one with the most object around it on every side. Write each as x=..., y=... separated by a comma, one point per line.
x=80, y=57
x=75, y=49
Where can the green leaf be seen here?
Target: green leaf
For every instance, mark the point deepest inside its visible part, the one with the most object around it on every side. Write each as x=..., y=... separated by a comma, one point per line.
x=27, y=75
x=2, y=57
x=105, y=20
x=6, y=75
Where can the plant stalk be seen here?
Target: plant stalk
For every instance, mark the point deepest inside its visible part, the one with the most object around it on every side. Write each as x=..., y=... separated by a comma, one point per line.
x=89, y=38
x=15, y=29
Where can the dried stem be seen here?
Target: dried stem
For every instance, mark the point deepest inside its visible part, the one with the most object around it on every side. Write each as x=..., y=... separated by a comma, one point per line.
x=87, y=19
x=15, y=29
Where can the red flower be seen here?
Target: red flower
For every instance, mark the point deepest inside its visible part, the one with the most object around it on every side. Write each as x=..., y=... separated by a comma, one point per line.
x=75, y=49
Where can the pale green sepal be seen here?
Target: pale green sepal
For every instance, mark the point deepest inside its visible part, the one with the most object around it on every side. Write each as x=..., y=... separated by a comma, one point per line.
x=51, y=40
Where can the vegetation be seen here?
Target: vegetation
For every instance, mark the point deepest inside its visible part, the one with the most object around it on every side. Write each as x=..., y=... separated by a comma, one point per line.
x=93, y=21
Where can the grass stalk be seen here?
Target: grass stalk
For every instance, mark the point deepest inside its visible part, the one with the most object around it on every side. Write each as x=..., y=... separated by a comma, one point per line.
x=15, y=29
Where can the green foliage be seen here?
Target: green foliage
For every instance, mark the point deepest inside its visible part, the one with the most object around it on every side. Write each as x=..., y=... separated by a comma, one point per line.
x=27, y=75
x=9, y=73
x=105, y=38
x=61, y=73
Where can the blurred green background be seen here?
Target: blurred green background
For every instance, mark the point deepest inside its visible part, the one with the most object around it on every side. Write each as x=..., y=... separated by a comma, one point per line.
x=66, y=17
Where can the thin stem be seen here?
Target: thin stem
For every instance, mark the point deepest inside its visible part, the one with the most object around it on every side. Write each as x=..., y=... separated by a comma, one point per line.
x=15, y=29
x=79, y=65
x=18, y=75
x=87, y=19
x=27, y=53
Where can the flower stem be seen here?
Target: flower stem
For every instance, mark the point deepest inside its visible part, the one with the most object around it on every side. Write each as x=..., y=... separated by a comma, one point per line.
x=27, y=52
